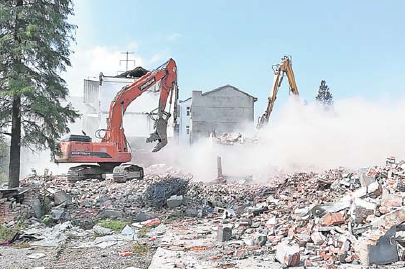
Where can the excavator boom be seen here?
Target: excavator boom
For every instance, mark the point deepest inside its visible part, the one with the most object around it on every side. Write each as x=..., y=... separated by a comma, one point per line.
x=280, y=70
x=166, y=74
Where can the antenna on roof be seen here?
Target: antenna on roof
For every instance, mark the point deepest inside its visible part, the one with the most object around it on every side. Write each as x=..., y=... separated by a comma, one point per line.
x=126, y=60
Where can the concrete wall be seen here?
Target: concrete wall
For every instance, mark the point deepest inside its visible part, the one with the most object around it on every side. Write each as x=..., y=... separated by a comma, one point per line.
x=184, y=122
x=222, y=110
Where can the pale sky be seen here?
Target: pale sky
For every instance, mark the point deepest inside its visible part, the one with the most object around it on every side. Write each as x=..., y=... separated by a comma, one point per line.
x=356, y=46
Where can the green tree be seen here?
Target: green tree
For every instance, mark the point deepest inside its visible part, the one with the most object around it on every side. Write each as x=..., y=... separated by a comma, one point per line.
x=324, y=95
x=35, y=36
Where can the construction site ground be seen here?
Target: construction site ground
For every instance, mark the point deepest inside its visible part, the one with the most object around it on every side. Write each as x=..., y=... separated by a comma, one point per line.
x=340, y=218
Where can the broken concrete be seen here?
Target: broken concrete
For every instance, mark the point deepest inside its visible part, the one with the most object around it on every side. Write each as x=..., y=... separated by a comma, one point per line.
x=61, y=197
x=224, y=234
x=361, y=209
x=381, y=251
x=368, y=178
x=98, y=230
x=127, y=230
x=112, y=213
x=37, y=207
x=288, y=255
x=174, y=201
x=393, y=218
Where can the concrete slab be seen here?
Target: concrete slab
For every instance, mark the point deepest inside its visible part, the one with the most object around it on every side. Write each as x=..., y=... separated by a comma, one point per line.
x=165, y=258
x=169, y=259
x=196, y=246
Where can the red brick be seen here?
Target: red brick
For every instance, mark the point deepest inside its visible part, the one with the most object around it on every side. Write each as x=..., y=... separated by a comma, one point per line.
x=333, y=219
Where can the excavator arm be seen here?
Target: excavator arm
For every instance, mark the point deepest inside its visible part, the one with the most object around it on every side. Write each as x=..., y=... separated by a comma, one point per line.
x=280, y=70
x=166, y=74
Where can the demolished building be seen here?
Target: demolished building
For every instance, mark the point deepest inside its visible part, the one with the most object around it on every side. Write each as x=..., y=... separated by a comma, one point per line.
x=223, y=110
x=332, y=219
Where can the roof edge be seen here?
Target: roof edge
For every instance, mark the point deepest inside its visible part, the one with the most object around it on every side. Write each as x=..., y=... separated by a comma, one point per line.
x=228, y=85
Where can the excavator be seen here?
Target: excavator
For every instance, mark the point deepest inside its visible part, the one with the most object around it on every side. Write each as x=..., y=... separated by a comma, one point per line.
x=113, y=152
x=280, y=70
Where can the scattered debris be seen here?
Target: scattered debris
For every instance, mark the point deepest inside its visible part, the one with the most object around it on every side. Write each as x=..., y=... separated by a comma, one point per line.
x=99, y=230
x=128, y=230
x=288, y=255
x=224, y=234
x=232, y=138
x=333, y=219
x=61, y=197
x=151, y=222
x=327, y=219
x=174, y=201
x=124, y=253
x=36, y=256
x=378, y=250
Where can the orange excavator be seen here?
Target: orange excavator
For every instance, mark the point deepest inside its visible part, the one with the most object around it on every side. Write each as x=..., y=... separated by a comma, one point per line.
x=280, y=70
x=113, y=152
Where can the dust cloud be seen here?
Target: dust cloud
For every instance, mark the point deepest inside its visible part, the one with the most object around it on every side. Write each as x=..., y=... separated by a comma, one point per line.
x=354, y=133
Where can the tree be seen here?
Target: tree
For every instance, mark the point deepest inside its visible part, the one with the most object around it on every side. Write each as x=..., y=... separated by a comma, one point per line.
x=34, y=50
x=324, y=95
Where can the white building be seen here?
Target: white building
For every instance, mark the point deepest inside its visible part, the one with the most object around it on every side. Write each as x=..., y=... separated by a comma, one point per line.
x=185, y=121
x=137, y=120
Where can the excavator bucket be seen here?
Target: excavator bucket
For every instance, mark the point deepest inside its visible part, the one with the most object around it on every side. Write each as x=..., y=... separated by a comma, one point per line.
x=160, y=134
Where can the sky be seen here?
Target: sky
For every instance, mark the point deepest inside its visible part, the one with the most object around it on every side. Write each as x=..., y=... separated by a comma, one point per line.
x=356, y=46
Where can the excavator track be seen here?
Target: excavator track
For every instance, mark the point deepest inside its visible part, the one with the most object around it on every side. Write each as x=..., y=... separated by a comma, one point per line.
x=84, y=171
x=121, y=173
x=127, y=171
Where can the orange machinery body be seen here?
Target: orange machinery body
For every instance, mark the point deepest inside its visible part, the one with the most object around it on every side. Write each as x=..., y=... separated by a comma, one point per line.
x=91, y=152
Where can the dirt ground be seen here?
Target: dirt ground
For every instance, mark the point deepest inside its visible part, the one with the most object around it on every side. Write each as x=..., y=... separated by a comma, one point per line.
x=70, y=257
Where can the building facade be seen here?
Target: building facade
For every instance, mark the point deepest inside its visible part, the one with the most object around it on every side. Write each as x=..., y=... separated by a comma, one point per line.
x=137, y=120
x=184, y=118
x=222, y=110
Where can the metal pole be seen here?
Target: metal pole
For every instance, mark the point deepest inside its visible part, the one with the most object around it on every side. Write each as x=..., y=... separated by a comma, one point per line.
x=127, y=59
x=219, y=165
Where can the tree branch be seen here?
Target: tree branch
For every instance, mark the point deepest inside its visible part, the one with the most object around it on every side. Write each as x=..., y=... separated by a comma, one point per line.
x=5, y=133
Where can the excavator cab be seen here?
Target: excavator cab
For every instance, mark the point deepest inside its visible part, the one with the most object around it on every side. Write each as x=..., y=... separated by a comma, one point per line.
x=78, y=138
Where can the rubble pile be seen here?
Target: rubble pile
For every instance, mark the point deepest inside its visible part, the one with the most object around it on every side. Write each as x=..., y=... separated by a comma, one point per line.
x=16, y=204
x=84, y=204
x=332, y=218
x=225, y=195
x=157, y=193
x=336, y=217
x=232, y=139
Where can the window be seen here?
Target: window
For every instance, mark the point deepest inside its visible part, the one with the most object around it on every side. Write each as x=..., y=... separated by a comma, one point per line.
x=188, y=129
x=188, y=111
